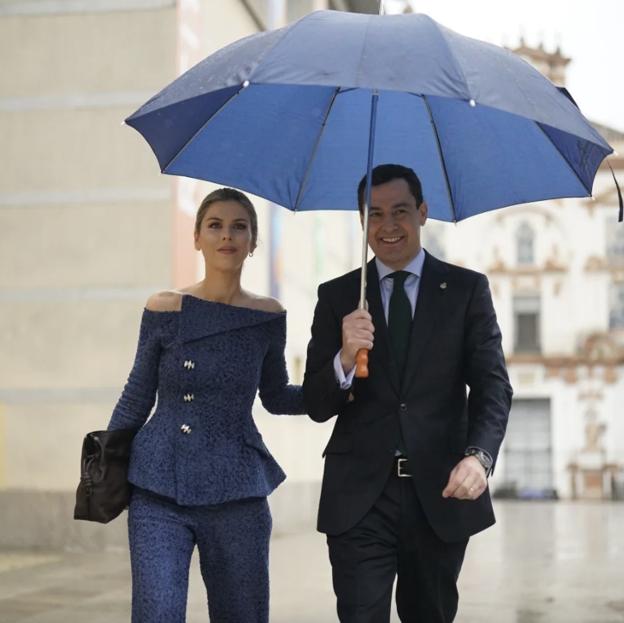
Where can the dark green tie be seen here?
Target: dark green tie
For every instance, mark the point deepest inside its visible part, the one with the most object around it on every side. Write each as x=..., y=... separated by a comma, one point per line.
x=399, y=318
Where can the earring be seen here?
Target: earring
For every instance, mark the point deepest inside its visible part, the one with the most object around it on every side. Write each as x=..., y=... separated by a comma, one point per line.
x=251, y=254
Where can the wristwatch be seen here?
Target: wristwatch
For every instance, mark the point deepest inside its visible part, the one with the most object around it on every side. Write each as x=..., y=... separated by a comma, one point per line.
x=482, y=456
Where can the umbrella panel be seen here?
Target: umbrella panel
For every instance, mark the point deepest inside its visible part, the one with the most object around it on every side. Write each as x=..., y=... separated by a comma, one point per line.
x=305, y=147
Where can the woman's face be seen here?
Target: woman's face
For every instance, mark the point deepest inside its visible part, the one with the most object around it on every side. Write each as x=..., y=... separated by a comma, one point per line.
x=224, y=235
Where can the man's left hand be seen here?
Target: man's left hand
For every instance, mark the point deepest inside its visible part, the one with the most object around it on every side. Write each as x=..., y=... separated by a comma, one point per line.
x=467, y=480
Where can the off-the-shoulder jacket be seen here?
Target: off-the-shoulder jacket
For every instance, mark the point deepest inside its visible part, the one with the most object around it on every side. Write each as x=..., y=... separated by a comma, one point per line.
x=205, y=364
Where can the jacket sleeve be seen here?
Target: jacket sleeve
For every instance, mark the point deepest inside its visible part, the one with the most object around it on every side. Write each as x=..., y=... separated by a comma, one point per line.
x=490, y=395
x=139, y=394
x=276, y=394
x=321, y=390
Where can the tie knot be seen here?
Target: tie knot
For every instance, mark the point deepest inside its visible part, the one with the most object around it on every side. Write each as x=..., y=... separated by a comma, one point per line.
x=399, y=276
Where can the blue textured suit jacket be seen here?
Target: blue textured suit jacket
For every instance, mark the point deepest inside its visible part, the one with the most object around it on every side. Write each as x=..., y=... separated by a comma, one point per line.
x=205, y=363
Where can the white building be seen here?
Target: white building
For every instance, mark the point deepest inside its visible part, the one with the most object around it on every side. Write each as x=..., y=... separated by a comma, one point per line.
x=556, y=270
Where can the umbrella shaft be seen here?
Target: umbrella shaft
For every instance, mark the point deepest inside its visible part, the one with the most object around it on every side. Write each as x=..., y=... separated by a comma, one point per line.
x=362, y=304
x=369, y=169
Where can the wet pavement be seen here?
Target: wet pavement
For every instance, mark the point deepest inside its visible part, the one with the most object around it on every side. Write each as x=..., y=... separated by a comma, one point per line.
x=542, y=563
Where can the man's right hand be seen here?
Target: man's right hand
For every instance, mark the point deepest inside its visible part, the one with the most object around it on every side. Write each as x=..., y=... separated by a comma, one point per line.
x=357, y=333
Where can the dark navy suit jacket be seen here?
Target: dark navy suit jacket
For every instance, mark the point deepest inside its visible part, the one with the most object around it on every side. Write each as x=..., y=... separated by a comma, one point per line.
x=455, y=343
x=205, y=364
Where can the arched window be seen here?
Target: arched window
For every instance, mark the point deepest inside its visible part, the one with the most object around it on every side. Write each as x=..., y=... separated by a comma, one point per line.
x=525, y=244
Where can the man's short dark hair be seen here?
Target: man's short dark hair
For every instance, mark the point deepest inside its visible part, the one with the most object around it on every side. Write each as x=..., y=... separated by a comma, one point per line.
x=383, y=173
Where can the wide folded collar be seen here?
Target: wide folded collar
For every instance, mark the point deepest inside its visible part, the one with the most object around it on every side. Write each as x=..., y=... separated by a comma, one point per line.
x=201, y=318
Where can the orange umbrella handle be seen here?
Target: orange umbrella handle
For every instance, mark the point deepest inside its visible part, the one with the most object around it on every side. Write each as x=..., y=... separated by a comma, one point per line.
x=361, y=364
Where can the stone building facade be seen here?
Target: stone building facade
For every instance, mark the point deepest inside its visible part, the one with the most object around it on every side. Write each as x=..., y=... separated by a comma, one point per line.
x=556, y=269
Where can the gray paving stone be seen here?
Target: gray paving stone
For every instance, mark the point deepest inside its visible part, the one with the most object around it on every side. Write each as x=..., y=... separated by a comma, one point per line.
x=550, y=562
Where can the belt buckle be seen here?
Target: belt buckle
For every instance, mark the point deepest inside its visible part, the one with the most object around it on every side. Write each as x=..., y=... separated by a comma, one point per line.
x=400, y=473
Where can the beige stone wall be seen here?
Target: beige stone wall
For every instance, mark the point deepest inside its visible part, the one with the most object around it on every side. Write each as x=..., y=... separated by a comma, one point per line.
x=89, y=228
x=88, y=52
x=85, y=225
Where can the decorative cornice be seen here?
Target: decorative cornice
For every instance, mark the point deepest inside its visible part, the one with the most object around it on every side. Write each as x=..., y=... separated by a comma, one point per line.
x=567, y=368
x=598, y=350
x=552, y=266
x=596, y=264
x=563, y=361
x=555, y=58
x=549, y=267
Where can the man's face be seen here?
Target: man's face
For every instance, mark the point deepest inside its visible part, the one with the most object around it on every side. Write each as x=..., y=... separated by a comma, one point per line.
x=394, y=223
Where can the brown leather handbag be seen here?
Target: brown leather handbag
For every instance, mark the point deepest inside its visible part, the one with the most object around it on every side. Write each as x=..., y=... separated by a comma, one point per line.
x=104, y=492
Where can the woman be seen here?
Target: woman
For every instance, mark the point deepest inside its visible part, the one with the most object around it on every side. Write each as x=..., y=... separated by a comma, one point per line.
x=199, y=469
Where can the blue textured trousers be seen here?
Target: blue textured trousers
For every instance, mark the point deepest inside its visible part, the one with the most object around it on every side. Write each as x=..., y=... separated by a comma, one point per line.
x=233, y=543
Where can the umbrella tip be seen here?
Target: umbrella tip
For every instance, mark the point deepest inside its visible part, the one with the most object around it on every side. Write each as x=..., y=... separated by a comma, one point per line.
x=245, y=84
x=472, y=103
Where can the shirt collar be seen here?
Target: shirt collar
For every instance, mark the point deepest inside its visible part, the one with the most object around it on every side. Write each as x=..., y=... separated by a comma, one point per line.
x=414, y=267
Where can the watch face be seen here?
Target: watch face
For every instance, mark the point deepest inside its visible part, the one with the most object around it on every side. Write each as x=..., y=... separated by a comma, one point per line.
x=485, y=461
x=482, y=457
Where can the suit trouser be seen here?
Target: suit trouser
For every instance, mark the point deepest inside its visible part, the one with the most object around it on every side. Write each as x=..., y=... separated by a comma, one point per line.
x=233, y=543
x=394, y=539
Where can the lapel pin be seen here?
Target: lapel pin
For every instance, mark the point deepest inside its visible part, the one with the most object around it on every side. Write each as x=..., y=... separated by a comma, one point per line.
x=443, y=285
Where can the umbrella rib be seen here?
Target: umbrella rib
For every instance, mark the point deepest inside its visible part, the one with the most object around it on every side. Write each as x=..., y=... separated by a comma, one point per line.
x=588, y=190
x=308, y=168
x=203, y=125
x=441, y=155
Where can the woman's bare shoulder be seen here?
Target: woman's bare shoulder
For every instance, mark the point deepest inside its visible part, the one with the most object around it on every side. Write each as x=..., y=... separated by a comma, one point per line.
x=167, y=301
x=264, y=303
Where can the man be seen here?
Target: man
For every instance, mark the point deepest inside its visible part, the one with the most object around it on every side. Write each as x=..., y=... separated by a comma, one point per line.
x=405, y=480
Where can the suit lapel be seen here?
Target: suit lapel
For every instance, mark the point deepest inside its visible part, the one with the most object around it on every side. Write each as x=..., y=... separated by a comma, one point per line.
x=429, y=310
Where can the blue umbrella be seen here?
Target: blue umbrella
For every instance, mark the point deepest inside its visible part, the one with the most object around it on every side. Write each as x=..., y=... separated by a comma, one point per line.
x=297, y=114
x=285, y=114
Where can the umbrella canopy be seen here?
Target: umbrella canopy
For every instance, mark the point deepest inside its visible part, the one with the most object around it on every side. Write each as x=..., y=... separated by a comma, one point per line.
x=286, y=115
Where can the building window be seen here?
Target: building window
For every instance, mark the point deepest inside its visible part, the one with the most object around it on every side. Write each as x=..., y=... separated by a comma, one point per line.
x=527, y=324
x=528, y=469
x=616, y=306
x=615, y=243
x=525, y=244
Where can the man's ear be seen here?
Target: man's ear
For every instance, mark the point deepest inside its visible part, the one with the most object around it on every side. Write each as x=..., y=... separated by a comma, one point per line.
x=423, y=210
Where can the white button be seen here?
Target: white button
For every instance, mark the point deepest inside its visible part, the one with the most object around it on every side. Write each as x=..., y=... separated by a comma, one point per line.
x=186, y=429
x=188, y=397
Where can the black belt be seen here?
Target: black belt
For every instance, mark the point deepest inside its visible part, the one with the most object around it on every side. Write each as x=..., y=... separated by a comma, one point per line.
x=401, y=467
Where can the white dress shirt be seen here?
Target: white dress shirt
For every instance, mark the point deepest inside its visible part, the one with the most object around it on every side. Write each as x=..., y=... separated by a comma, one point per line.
x=386, y=283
